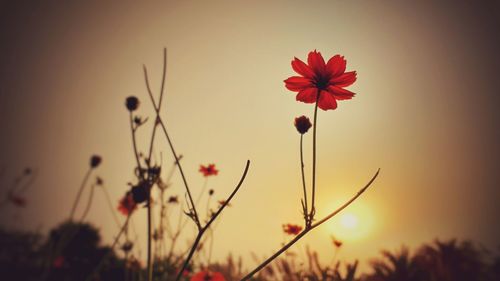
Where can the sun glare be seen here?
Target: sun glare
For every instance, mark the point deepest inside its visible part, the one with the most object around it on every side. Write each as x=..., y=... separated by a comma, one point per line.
x=356, y=222
x=349, y=221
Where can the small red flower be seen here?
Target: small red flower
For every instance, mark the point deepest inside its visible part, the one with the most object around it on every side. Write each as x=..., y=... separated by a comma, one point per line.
x=302, y=124
x=173, y=199
x=127, y=204
x=209, y=170
x=18, y=201
x=58, y=262
x=292, y=229
x=134, y=264
x=327, y=80
x=208, y=276
x=222, y=202
x=337, y=243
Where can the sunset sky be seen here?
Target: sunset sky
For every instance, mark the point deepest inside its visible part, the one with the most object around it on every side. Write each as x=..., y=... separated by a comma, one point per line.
x=426, y=113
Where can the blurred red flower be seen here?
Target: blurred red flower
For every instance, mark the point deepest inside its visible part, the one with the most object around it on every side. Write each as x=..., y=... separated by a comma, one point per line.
x=58, y=262
x=327, y=80
x=173, y=199
x=337, y=243
x=127, y=204
x=292, y=229
x=208, y=276
x=208, y=170
x=18, y=201
x=222, y=202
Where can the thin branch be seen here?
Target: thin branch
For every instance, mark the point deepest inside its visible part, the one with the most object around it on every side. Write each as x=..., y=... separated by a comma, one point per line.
x=305, y=211
x=134, y=144
x=79, y=194
x=212, y=219
x=106, y=256
x=313, y=208
x=159, y=121
x=110, y=205
x=306, y=230
x=193, y=207
x=89, y=203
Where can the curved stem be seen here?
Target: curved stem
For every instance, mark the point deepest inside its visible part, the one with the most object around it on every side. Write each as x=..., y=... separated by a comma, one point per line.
x=193, y=207
x=150, y=265
x=103, y=259
x=89, y=203
x=110, y=205
x=79, y=194
x=207, y=225
x=313, y=208
x=306, y=230
x=306, y=219
x=134, y=144
x=202, y=191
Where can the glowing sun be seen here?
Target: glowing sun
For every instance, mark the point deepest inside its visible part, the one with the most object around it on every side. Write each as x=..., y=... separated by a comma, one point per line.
x=356, y=222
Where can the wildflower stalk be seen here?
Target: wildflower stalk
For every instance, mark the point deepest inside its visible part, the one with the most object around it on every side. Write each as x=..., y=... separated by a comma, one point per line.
x=28, y=183
x=203, y=229
x=157, y=111
x=134, y=143
x=308, y=229
x=111, y=250
x=304, y=204
x=79, y=194
x=149, y=261
x=89, y=203
x=110, y=205
x=313, y=208
x=162, y=124
x=202, y=191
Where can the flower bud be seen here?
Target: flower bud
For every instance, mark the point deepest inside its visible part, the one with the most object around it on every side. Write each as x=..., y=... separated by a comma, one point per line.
x=302, y=124
x=95, y=160
x=132, y=103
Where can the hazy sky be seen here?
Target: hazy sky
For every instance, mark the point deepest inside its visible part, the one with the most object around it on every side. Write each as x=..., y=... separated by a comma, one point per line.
x=426, y=113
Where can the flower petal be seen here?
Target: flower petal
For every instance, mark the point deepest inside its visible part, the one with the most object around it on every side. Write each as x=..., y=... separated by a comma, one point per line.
x=336, y=65
x=316, y=62
x=301, y=68
x=327, y=101
x=345, y=79
x=340, y=93
x=308, y=95
x=297, y=83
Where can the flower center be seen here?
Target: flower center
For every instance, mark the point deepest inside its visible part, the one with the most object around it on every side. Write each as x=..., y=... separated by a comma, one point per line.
x=322, y=82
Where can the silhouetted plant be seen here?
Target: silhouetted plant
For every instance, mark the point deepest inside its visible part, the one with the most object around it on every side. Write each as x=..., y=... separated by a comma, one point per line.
x=399, y=266
x=452, y=261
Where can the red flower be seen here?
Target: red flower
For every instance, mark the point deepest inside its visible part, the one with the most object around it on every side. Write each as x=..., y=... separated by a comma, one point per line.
x=292, y=229
x=208, y=276
x=127, y=204
x=327, y=80
x=208, y=170
x=222, y=202
x=336, y=243
x=58, y=262
x=18, y=201
x=173, y=199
